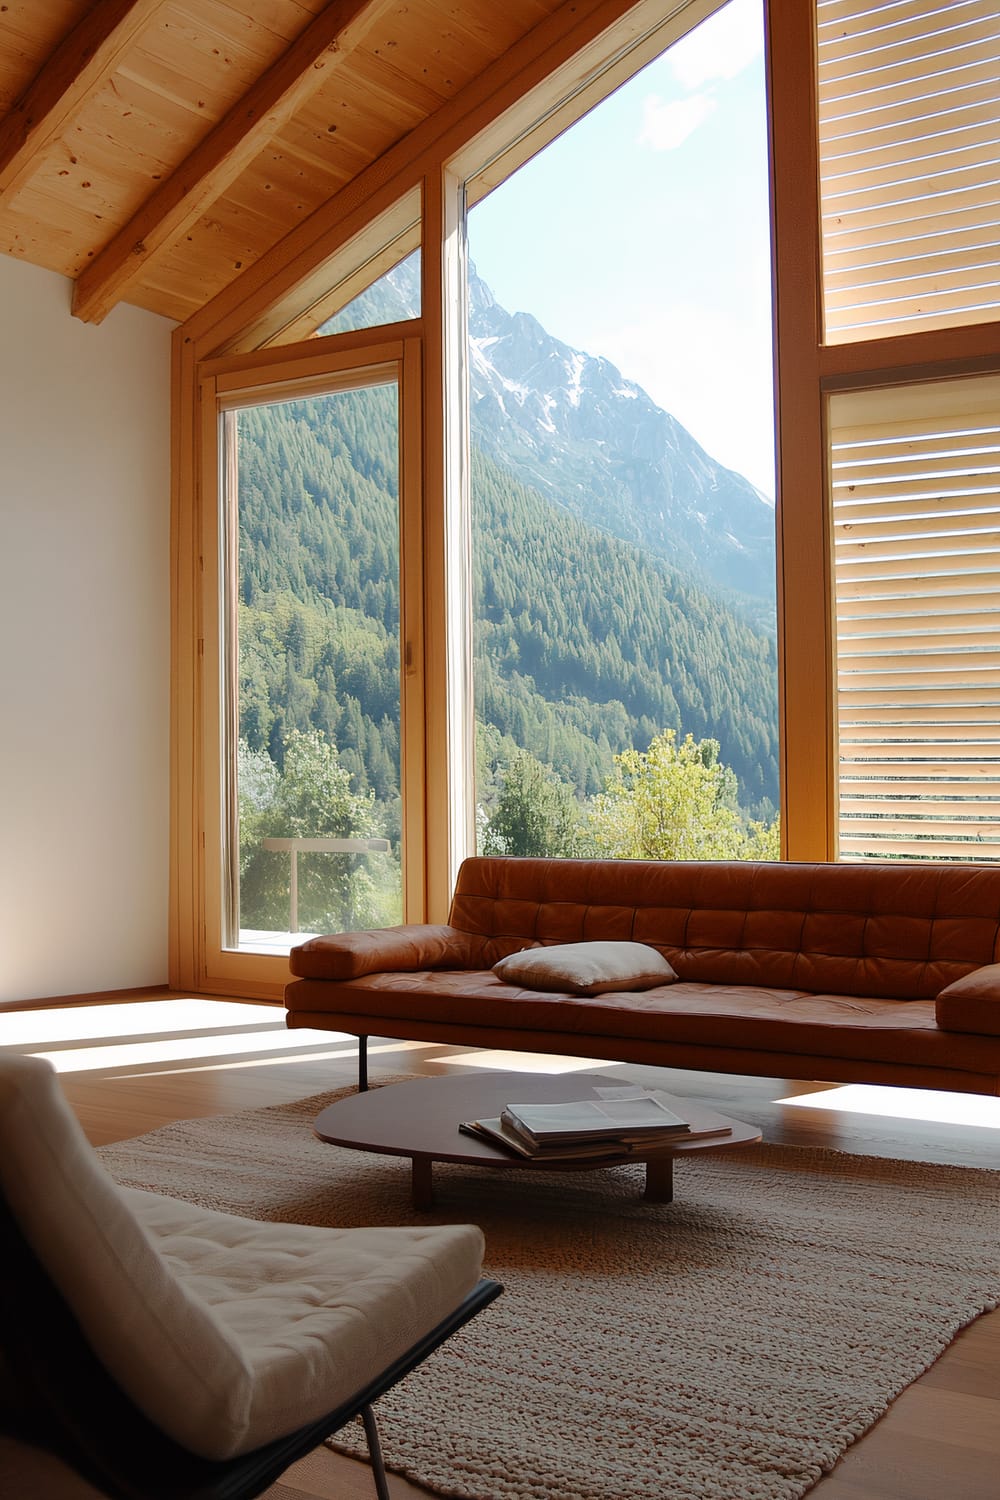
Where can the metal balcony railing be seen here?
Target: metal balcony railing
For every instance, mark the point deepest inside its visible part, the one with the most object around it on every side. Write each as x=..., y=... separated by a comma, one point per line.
x=296, y=846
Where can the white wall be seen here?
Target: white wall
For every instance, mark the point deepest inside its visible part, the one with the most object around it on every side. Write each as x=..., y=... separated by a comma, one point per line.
x=84, y=642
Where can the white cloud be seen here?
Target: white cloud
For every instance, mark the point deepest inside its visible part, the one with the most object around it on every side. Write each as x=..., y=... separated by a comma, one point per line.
x=720, y=47
x=668, y=123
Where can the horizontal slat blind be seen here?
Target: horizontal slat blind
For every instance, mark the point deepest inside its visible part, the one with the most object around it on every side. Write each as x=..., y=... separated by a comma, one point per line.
x=909, y=131
x=915, y=502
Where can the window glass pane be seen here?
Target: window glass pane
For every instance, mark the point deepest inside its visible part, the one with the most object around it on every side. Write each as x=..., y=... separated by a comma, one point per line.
x=623, y=473
x=909, y=124
x=394, y=298
x=915, y=486
x=314, y=752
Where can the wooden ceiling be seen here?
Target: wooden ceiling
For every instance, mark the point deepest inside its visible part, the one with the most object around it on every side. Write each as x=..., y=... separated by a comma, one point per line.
x=152, y=150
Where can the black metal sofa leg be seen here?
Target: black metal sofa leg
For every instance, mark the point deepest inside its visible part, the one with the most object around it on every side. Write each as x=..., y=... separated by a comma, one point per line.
x=375, y=1453
x=362, y=1064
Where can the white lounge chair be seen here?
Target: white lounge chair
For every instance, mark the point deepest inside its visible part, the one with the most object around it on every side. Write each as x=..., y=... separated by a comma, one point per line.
x=168, y=1352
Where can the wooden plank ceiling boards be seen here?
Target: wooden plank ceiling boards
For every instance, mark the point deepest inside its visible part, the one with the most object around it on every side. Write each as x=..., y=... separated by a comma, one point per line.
x=152, y=150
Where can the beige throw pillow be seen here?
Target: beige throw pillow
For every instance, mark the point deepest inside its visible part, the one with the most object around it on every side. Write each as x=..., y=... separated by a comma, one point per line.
x=586, y=968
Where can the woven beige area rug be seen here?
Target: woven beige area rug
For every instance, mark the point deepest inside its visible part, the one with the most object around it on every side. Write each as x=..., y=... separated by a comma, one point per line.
x=727, y=1346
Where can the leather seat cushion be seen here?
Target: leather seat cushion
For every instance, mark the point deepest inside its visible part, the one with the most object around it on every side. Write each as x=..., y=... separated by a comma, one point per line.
x=724, y=1016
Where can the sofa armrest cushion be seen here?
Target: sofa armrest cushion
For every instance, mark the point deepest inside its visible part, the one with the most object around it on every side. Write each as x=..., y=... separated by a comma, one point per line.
x=971, y=1003
x=348, y=955
x=597, y=968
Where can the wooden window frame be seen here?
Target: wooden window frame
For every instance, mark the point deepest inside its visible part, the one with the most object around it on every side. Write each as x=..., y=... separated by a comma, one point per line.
x=224, y=385
x=561, y=67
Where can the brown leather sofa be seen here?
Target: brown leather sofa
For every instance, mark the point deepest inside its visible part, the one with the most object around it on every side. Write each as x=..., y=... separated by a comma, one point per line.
x=871, y=973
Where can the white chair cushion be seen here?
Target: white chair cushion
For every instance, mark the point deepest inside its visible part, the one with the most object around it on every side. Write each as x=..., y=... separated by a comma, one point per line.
x=225, y=1332
x=315, y=1313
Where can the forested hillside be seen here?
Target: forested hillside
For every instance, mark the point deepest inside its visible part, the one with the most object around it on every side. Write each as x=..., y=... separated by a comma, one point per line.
x=319, y=581
x=585, y=645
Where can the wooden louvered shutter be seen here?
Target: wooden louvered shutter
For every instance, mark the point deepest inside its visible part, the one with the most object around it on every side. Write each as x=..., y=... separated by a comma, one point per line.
x=909, y=135
x=915, y=497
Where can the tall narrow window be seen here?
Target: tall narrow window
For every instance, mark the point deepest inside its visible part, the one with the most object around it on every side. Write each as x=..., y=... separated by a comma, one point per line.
x=313, y=651
x=623, y=472
x=915, y=484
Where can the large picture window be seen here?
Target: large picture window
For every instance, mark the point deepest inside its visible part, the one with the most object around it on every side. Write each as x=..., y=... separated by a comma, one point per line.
x=622, y=475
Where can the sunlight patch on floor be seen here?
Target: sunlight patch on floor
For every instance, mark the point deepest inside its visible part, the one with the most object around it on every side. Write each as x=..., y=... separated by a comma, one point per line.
x=174, y=1049
x=528, y=1062
x=185, y=1031
x=904, y=1104
x=70, y=1023
x=223, y=1067
x=324, y=1038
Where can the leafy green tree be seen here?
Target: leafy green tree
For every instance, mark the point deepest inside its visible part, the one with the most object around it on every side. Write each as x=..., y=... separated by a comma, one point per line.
x=536, y=812
x=675, y=801
x=310, y=798
x=763, y=840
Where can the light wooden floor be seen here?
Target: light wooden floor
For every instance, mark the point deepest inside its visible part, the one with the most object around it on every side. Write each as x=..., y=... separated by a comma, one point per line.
x=127, y=1068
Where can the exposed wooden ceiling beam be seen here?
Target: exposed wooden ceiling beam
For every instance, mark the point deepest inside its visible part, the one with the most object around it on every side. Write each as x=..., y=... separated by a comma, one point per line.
x=224, y=153
x=251, y=309
x=88, y=55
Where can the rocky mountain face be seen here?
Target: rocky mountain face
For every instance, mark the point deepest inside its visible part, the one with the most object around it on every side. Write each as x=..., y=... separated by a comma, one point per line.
x=571, y=426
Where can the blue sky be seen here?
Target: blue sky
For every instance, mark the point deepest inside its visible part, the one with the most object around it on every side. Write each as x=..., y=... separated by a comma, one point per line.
x=642, y=235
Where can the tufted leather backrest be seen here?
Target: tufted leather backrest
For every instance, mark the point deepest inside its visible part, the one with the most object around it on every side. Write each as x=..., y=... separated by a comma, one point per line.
x=886, y=930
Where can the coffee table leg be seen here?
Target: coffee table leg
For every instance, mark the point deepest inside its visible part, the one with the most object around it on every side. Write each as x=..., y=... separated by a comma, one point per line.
x=423, y=1187
x=659, y=1179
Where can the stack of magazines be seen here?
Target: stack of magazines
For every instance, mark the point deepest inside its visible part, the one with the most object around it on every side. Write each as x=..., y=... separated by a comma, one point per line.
x=615, y=1122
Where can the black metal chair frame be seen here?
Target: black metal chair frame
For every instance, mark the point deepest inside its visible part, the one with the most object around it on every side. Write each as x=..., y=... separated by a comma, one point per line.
x=68, y=1404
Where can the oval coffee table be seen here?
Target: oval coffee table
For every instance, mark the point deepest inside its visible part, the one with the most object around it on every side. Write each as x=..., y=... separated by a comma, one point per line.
x=420, y=1119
